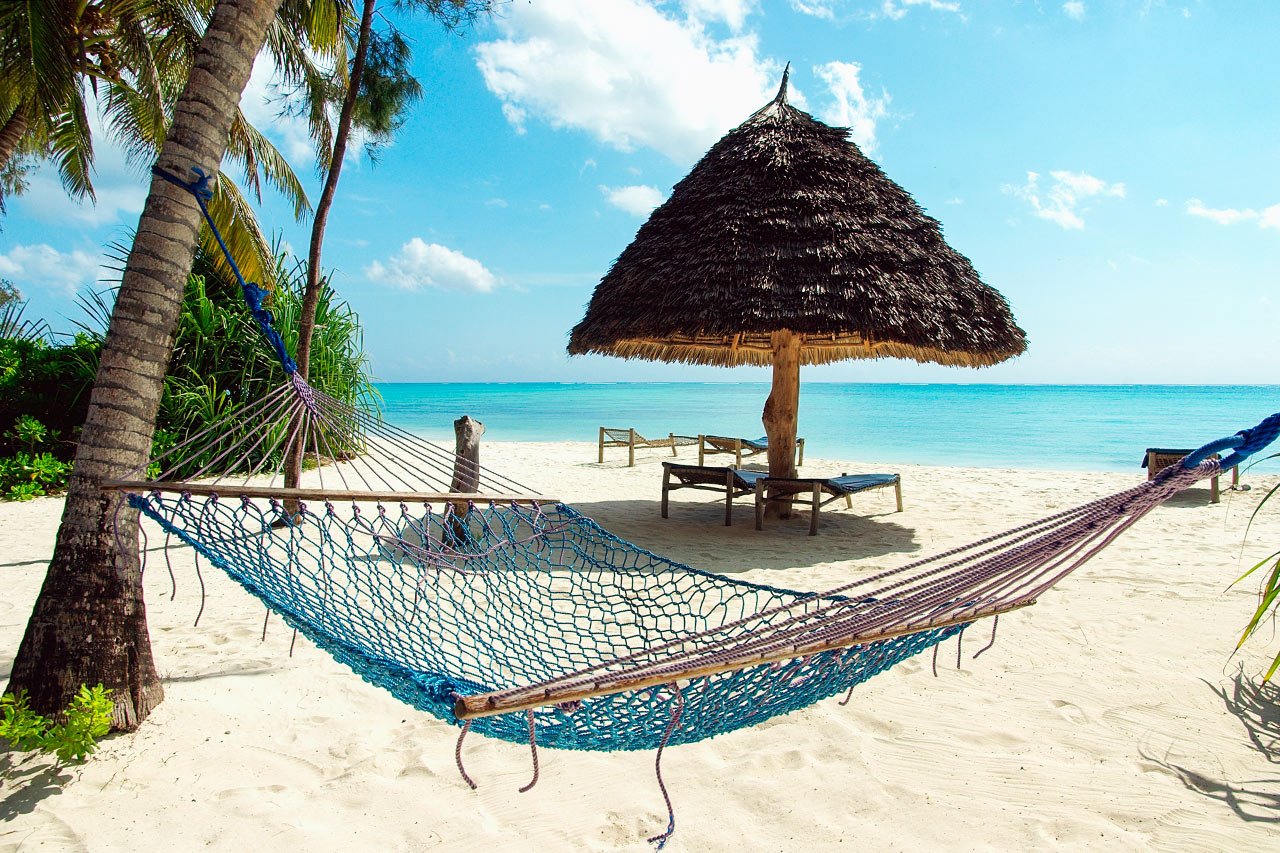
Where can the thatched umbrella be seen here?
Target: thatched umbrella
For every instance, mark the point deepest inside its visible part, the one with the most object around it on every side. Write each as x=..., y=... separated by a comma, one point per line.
x=785, y=245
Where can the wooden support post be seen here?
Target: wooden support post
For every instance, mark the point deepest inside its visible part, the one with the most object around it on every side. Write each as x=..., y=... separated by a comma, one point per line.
x=737, y=453
x=800, y=453
x=672, y=437
x=759, y=504
x=817, y=504
x=631, y=448
x=728, y=497
x=1214, y=495
x=781, y=413
x=897, y=488
x=666, y=488
x=702, y=449
x=601, y=459
x=466, y=463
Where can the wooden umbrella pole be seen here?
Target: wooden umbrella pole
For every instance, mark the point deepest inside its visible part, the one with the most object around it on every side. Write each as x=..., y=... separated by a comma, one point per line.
x=781, y=415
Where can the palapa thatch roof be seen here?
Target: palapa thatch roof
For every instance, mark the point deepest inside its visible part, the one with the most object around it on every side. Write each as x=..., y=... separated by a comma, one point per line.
x=785, y=224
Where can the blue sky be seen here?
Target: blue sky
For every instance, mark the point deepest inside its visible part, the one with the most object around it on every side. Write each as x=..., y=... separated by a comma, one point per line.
x=1111, y=168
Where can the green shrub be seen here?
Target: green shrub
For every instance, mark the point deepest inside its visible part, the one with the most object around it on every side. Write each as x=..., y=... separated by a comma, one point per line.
x=87, y=718
x=220, y=361
x=28, y=474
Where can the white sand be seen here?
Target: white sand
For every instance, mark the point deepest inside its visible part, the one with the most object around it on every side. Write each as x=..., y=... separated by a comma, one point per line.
x=1109, y=716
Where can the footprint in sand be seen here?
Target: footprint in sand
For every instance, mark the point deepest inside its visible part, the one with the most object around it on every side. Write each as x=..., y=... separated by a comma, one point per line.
x=1069, y=711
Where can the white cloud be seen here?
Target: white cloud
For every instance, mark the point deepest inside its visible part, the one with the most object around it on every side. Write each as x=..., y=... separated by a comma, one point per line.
x=497, y=202
x=1074, y=9
x=897, y=9
x=1222, y=216
x=851, y=107
x=419, y=264
x=733, y=13
x=817, y=8
x=42, y=266
x=1063, y=202
x=589, y=65
x=1162, y=202
x=638, y=200
x=1267, y=218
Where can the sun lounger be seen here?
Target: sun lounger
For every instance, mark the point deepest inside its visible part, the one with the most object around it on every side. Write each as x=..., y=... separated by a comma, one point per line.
x=1156, y=459
x=710, y=445
x=631, y=439
x=731, y=481
x=845, y=486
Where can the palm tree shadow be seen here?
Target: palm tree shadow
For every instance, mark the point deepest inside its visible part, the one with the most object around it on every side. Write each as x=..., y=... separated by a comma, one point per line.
x=1256, y=704
x=1252, y=800
x=31, y=780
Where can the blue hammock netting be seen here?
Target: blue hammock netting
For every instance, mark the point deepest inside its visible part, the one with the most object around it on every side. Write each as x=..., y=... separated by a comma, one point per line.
x=521, y=619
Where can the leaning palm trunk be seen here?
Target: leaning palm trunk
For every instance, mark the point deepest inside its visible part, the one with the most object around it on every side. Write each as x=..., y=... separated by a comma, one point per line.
x=89, y=623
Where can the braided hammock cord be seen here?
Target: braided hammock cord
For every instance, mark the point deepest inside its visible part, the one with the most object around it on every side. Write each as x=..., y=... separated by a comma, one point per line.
x=533, y=603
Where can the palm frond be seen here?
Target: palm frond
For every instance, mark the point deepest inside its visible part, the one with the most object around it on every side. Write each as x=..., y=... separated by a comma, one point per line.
x=240, y=231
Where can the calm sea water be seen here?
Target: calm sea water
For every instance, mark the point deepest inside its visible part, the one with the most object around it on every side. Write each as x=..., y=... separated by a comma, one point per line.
x=1063, y=427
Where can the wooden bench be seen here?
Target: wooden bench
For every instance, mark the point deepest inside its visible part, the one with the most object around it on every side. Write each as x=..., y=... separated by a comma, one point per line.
x=845, y=486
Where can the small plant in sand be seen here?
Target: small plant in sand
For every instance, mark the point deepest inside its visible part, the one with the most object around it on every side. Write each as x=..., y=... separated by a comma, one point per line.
x=1268, y=592
x=87, y=718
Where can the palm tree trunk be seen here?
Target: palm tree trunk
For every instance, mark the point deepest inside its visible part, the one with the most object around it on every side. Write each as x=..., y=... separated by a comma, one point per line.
x=11, y=133
x=89, y=624
x=310, y=298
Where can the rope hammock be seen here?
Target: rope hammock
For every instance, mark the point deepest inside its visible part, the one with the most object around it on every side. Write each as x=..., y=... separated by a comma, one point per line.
x=519, y=618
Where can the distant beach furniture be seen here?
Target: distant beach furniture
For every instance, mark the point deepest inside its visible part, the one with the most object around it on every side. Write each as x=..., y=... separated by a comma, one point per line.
x=845, y=486
x=630, y=439
x=1156, y=459
x=710, y=445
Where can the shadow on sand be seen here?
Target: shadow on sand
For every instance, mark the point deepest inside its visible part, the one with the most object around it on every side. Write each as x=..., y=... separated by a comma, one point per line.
x=29, y=778
x=695, y=534
x=1256, y=704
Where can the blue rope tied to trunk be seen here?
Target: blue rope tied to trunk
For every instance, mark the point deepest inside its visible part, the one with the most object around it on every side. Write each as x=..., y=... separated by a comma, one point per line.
x=254, y=295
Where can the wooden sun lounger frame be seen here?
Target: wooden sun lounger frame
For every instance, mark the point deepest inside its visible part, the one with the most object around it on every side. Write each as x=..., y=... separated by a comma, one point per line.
x=710, y=445
x=1156, y=459
x=635, y=439
x=709, y=478
x=815, y=487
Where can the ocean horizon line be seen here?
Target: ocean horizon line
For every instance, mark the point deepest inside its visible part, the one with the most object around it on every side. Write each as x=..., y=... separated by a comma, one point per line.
x=833, y=382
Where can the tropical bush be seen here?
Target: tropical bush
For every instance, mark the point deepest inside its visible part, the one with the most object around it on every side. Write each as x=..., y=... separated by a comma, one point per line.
x=221, y=360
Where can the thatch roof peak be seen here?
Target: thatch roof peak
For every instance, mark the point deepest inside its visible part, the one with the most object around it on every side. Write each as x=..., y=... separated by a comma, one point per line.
x=785, y=224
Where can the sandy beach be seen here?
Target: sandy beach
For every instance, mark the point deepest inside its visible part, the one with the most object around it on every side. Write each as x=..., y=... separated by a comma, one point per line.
x=1109, y=716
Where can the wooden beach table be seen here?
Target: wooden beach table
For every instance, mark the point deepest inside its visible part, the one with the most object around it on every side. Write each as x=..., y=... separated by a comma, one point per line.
x=1156, y=459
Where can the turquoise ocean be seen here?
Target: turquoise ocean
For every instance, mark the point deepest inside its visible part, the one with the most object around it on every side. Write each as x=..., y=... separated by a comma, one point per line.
x=1056, y=427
